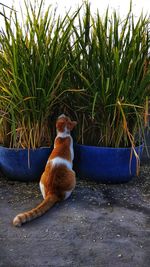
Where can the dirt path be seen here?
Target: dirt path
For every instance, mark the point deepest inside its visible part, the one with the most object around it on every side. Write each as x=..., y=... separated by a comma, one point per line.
x=99, y=226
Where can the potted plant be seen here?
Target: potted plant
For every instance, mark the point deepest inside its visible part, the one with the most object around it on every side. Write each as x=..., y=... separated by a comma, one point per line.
x=33, y=64
x=110, y=61
x=105, y=60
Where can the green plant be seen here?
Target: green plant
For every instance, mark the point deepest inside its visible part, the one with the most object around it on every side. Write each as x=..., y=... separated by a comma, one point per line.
x=110, y=61
x=44, y=60
x=33, y=63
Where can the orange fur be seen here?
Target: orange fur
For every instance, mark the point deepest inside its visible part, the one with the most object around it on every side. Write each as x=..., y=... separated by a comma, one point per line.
x=58, y=178
x=58, y=151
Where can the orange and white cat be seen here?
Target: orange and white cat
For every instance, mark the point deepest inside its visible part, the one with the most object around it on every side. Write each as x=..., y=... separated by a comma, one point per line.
x=58, y=179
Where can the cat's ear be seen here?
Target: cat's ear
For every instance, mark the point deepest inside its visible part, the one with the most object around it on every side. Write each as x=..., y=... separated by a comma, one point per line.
x=72, y=124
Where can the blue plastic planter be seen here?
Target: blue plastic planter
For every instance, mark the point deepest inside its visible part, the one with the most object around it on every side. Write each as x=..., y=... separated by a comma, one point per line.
x=23, y=164
x=104, y=164
x=109, y=165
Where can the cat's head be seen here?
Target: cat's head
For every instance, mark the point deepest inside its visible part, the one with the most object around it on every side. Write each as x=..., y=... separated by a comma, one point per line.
x=64, y=124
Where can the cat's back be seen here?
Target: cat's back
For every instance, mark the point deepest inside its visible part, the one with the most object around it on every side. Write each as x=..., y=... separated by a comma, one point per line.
x=62, y=149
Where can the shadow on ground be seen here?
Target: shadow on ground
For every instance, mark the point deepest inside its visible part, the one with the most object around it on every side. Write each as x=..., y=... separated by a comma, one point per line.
x=100, y=225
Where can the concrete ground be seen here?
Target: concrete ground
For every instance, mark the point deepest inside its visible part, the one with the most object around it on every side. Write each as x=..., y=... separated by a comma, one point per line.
x=99, y=226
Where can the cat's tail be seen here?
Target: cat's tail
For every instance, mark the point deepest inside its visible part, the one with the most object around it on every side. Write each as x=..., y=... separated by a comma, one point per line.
x=27, y=216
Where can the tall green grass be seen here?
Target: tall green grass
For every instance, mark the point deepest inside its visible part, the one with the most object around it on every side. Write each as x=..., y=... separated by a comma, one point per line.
x=33, y=63
x=110, y=60
x=95, y=69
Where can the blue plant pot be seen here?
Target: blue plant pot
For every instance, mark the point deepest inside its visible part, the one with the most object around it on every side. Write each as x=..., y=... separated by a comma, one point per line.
x=104, y=164
x=23, y=164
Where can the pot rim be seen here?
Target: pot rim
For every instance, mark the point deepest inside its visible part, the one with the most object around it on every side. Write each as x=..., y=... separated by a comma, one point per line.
x=24, y=149
x=109, y=148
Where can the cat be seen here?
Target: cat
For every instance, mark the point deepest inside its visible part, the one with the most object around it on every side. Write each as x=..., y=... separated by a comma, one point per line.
x=58, y=179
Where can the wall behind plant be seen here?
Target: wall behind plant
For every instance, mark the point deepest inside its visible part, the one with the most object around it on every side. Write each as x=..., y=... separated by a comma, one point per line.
x=121, y=6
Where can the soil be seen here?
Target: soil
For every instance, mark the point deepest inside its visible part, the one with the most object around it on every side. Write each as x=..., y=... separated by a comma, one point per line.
x=100, y=225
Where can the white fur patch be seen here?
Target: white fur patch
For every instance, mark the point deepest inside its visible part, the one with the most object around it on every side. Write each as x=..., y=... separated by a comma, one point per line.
x=62, y=116
x=42, y=189
x=60, y=161
x=71, y=149
x=63, y=134
x=68, y=194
